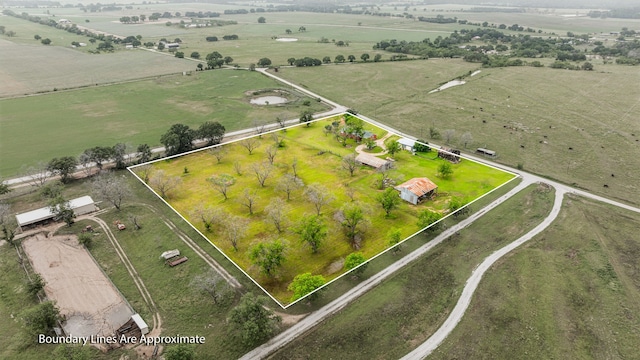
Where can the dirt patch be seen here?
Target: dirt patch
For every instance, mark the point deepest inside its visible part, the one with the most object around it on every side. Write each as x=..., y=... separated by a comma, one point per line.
x=288, y=319
x=87, y=299
x=196, y=107
x=98, y=109
x=335, y=266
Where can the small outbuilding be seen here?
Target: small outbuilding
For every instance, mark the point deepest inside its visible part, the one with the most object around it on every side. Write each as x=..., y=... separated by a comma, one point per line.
x=487, y=152
x=142, y=325
x=417, y=190
x=406, y=144
x=374, y=162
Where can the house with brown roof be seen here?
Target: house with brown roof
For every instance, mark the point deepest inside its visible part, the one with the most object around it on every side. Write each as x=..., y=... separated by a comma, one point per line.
x=417, y=190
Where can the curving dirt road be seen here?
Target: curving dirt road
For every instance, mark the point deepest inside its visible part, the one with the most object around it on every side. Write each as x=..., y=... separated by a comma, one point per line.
x=470, y=287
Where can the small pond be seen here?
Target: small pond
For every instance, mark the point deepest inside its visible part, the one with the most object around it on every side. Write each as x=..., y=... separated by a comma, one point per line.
x=269, y=100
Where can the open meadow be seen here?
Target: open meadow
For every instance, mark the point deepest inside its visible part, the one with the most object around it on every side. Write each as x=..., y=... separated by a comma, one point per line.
x=135, y=113
x=589, y=309
x=319, y=160
x=577, y=127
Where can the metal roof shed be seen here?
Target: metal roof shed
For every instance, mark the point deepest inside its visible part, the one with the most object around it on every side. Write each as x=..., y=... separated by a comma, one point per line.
x=80, y=206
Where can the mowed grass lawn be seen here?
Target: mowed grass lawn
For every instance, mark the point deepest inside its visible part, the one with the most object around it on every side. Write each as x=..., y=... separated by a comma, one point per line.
x=390, y=320
x=575, y=126
x=574, y=289
x=67, y=123
x=319, y=160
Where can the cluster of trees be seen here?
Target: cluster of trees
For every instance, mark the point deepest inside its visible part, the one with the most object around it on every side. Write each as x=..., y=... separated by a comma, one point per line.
x=8, y=33
x=439, y=19
x=107, y=41
x=179, y=138
x=621, y=13
x=526, y=46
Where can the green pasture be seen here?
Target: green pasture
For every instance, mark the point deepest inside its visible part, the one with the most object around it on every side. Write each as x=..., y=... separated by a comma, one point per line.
x=319, y=161
x=133, y=113
x=26, y=30
x=413, y=303
x=588, y=310
x=530, y=116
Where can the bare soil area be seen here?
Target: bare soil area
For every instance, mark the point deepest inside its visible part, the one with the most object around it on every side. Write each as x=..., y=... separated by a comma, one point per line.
x=87, y=299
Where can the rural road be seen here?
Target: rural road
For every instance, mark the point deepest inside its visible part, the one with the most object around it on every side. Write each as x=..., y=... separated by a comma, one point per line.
x=318, y=316
x=458, y=311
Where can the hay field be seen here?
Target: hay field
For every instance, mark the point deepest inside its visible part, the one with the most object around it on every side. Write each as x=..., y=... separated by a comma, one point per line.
x=530, y=116
x=134, y=113
x=33, y=71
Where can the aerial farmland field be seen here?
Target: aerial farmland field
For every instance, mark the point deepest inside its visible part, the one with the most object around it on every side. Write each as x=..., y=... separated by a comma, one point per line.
x=318, y=160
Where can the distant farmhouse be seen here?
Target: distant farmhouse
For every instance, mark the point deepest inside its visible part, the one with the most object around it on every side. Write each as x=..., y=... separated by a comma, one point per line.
x=417, y=190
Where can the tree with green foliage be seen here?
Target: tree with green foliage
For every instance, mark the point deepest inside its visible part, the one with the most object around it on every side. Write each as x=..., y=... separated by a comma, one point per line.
x=364, y=57
x=340, y=59
x=312, y=231
x=119, y=154
x=304, y=284
x=377, y=58
x=268, y=257
x=394, y=235
x=222, y=183
x=352, y=218
x=212, y=132
x=255, y=322
x=421, y=146
x=4, y=187
x=72, y=352
x=41, y=319
x=351, y=58
x=393, y=147
x=291, y=60
x=144, y=153
x=180, y=352
x=99, y=155
x=445, y=170
x=264, y=62
x=7, y=222
x=85, y=239
x=63, y=167
x=353, y=261
x=306, y=117
x=195, y=55
x=179, y=54
x=227, y=60
x=262, y=20
x=428, y=218
x=178, y=139
x=62, y=210
x=46, y=41
x=457, y=207
x=35, y=285
x=389, y=200
x=326, y=60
